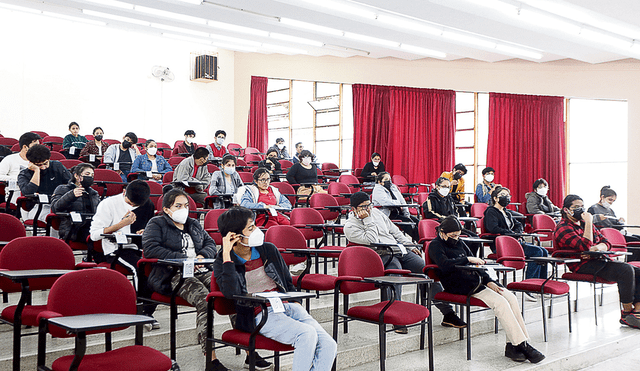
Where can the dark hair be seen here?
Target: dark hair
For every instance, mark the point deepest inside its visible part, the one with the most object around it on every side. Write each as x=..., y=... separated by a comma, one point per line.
x=189, y=132
x=132, y=136
x=38, y=153
x=381, y=175
x=201, y=152
x=234, y=220
x=496, y=192
x=537, y=183
x=297, y=144
x=219, y=132
x=79, y=169
x=259, y=172
x=226, y=158
x=74, y=123
x=374, y=154
x=567, y=203
x=28, y=138
x=450, y=224
x=170, y=197
x=149, y=141
x=606, y=191
x=441, y=179
x=96, y=128
x=138, y=192
x=460, y=167
x=279, y=140
x=487, y=170
x=271, y=150
x=305, y=153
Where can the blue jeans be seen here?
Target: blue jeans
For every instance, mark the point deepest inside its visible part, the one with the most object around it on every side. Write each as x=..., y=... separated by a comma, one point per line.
x=534, y=270
x=314, y=350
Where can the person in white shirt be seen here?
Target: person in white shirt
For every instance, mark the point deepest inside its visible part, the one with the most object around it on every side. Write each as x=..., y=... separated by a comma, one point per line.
x=11, y=165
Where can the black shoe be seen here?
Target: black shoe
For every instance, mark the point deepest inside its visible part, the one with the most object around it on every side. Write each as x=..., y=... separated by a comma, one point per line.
x=217, y=366
x=400, y=329
x=452, y=320
x=261, y=363
x=514, y=353
x=532, y=354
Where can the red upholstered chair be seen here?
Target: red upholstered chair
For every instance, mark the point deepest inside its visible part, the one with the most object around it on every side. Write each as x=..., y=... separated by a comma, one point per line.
x=156, y=190
x=57, y=156
x=42, y=134
x=238, y=339
x=8, y=207
x=511, y=254
x=247, y=178
x=360, y=262
x=311, y=223
x=15, y=148
x=167, y=178
x=285, y=164
x=107, y=182
x=328, y=207
x=251, y=150
x=235, y=149
x=24, y=253
x=8, y=142
x=544, y=224
x=175, y=160
x=341, y=192
x=69, y=163
x=351, y=181
x=252, y=159
x=427, y=231
x=111, y=141
x=328, y=169
x=164, y=149
x=53, y=142
x=285, y=189
x=96, y=291
x=211, y=225
x=211, y=168
x=10, y=228
x=240, y=162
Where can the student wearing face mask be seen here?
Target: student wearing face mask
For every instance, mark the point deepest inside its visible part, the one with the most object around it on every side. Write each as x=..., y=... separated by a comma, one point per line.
x=304, y=172
x=76, y=196
x=271, y=162
x=74, y=140
x=225, y=181
x=386, y=193
x=576, y=231
x=281, y=149
x=299, y=148
x=499, y=220
x=95, y=147
x=261, y=194
x=151, y=161
x=123, y=154
x=217, y=149
x=604, y=216
x=538, y=202
x=455, y=176
x=371, y=169
x=484, y=189
x=188, y=146
x=448, y=252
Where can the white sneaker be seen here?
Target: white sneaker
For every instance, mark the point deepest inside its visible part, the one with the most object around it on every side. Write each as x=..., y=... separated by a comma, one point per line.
x=297, y=269
x=530, y=297
x=155, y=325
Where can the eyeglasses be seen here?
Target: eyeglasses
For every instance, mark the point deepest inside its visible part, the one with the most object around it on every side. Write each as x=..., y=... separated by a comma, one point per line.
x=364, y=207
x=263, y=180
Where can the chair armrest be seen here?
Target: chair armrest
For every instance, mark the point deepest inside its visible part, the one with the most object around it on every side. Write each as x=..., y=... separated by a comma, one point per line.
x=348, y=278
x=510, y=259
x=215, y=294
x=48, y=314
x=396, y=271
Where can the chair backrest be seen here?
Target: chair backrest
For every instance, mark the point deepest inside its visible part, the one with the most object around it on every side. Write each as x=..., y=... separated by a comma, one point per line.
x=15, y=147
x=221, y=305
x=302, y=216
x=54, y=139
x=91, y=291
x=319, y=200
x=11, y=227
x=5, y=141
x=156, y=191
x=175, y=160
x=287, y=237
x=167, y=177
x=251, y=158
x=211, y=168
x=336, y=189
x=42, y=134
x=510, y=252
x=286, y=189
x=477, y=209
x=252, y=150
x=164, y=149
x=177, y=143
x=357, y=171
x=90, y=137
x=111, y=141
x=70, y=163
x=617, y=240
x=241, y=162
x=57, y=156
x=329, y=166
x=246, y=177
x=400, y=181
x=235, y=149
x=39, y=252
x=359, y=261
x=542, y=224
x=108, y=176
x=427, y=229
x=285, y=164
x=348, y=179
x=211, y=222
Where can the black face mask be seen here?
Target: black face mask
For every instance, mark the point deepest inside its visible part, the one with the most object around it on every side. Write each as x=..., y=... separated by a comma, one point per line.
x=126, y=144
x=387, y=184
x=98, y=138
x=86, y=181
x=451, y=242
x=577, y=213
x=457, y=176
x=504, y=200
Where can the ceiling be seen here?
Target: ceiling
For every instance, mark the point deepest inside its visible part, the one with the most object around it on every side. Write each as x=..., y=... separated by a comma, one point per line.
x=592, y=31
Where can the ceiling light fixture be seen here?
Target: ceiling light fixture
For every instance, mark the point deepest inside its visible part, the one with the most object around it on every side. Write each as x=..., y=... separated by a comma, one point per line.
x=343, y=7
x=311, y=27
x=74, y=19
x=236, y=28
x=542, y=20
x=172, y=15
x=93, y=13
x=179, y=29
x=113, y=3
x=20, y=8
x=605, y=39
x=194, y=2
x=407, y=24
x=284, y=49
x=187, y=38
x=234, y=47
x=466, y=39
x=496, y=5
x=422, y=51
x=518, y=51
x=294, y=39
x=371, y=40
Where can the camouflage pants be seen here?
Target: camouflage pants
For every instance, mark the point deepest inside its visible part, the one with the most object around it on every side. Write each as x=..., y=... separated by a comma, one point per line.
x=195, y=290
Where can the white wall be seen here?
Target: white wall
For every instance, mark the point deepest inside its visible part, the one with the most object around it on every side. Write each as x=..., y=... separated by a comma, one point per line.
x=54, y=71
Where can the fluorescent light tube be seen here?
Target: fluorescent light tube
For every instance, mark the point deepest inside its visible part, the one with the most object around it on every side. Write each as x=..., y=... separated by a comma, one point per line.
x=114, y=17
x=496, y=5
x=235, y=40
x=422, y=51
x=172, y=15
x=371, y=40
x=187, y=38
x=194, y=2
x=284, y=49
x=20, y=8
x=602, y=38
x=466, y=39
x=343, y=7
x=74, y=19
x=410, y=25
x=518, y=51
x=113, y=3
x=542, y=20
x=239, y=29
x=179, y=29
x=311, y=27
x=294, y=39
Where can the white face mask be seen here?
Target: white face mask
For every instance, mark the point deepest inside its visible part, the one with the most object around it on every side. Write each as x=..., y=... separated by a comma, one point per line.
x=376, y=163
x=255, y=239
x=606, y=204
x=306, y=161
x=219, y=141
x=489, y=178
x=542, y=191
x=443, y=191
x=152, y=151
x=229, y=170
x=180, y=216
x=281, y=145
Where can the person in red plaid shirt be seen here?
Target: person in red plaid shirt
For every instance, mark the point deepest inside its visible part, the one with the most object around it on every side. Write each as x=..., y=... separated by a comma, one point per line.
x=576, y=231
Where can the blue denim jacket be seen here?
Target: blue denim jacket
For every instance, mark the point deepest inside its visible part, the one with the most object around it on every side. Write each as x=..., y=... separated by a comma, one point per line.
x=142, y=163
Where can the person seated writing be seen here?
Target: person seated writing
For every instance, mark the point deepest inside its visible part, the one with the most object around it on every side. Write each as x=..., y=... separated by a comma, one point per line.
x=11, y=165
x=261, y=195
x=538, y=202
x=371, y=169
x=449, y=252
x=484, y=189
x=193, y=169
x=151, y=161
x=386, y=193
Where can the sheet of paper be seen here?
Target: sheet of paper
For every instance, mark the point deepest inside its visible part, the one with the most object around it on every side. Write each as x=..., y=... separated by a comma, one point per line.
x=72, y=150
x=92, y=158
x=121, y=238
x=75, y=217
x=273, y=212
x=149, y=174
x=188, y=268
x=276, y=305
x=116, y=166
x=402, y=248
x=492, y=273
x=44, y=199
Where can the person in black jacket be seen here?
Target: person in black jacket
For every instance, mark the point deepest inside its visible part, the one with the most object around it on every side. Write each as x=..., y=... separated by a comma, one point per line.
x=76, y=196
x=448, y=252
x=499, y=220
x=373, y=168
x=246, y=264
x=271, y=162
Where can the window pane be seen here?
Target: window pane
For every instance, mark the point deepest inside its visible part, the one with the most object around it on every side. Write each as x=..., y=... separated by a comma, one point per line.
x=483, y=127
x=464, y=120
x=347, y=154
x=278, y=97
x=587, y=179
x=278, y=122
x=278, y=110
x=464, y=102
x=328, y=151
x=326, y=89
x=328, y=118
x=328, y=133
x=464, y=156
x=301, y=112
x=464, y=139
x=280, y=133
x=277, y=84
x=347, y=114
x=302, y=135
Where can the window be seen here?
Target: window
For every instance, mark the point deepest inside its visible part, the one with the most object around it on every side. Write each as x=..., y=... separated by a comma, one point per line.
x=318, y=114
x=465, y=137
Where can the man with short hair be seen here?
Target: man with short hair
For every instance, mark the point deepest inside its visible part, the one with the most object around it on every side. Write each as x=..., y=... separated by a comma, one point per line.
x=281, y=149
x=123, y=155
x=367, y=225
x=486, y=187
x=455, y=176
x=11, y=165
x=218, y=150
x=193, y=169
x=299, y=148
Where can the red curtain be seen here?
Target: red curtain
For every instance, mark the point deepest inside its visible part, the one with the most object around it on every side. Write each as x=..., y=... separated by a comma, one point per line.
x=413, y=129
x=257, y=128
x=527, y=142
